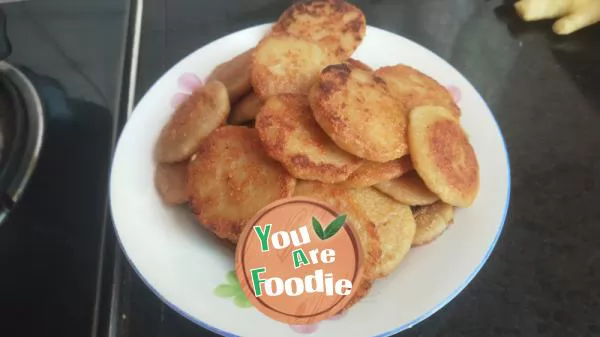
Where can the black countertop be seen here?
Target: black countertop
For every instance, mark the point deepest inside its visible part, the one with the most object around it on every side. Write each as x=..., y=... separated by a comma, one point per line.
x=543, y=278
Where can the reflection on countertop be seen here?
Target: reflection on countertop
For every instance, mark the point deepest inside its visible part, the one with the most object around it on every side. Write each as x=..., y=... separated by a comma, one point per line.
x=78, y=42
x=50, y=243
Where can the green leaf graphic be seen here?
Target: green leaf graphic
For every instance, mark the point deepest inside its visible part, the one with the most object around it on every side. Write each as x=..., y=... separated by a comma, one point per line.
x=241, y=301
x=226, y=290
x=232, y=279
x=334, y=226
x=232, y=289
x=318, y=229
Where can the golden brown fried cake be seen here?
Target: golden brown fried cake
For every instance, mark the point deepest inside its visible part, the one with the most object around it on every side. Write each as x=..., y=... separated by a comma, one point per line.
x=205, y=110
x=231, y=178
x=432, y=220
x=371, y=173
x=358, y=64
x=285, y=64
x=415, y=88
x=170, y=181
x=334, y=24
x=408, y=189
x=357, y=112
x=245, y=110
x=235, y=74
x=395, y=225
x=291, y=136
x=442, y=155
x=339, y=199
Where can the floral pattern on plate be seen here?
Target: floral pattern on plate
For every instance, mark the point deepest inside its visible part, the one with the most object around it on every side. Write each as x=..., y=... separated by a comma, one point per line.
x=310, y=328
x=455, y=92
x=188, y=82
x=231, y=289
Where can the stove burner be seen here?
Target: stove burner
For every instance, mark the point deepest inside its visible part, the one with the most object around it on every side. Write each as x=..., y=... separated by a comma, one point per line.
x=21, y=132
x=12, y=131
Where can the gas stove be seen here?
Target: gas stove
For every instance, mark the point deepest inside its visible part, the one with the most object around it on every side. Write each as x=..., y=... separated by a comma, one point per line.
x=67, y=79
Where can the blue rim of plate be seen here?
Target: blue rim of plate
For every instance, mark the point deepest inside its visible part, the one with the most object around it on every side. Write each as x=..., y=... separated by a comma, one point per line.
x=415, y=321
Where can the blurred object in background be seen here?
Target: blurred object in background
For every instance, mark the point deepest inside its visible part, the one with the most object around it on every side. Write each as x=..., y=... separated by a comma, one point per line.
x=572, y=15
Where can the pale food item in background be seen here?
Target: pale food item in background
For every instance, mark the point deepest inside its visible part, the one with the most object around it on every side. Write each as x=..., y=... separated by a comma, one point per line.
x=572, y=15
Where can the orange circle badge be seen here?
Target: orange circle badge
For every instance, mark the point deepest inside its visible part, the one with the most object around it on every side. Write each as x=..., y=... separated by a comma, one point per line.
x=298, y=261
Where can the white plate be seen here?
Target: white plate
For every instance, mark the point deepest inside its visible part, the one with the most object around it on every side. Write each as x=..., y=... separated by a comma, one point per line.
x=182, y=263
